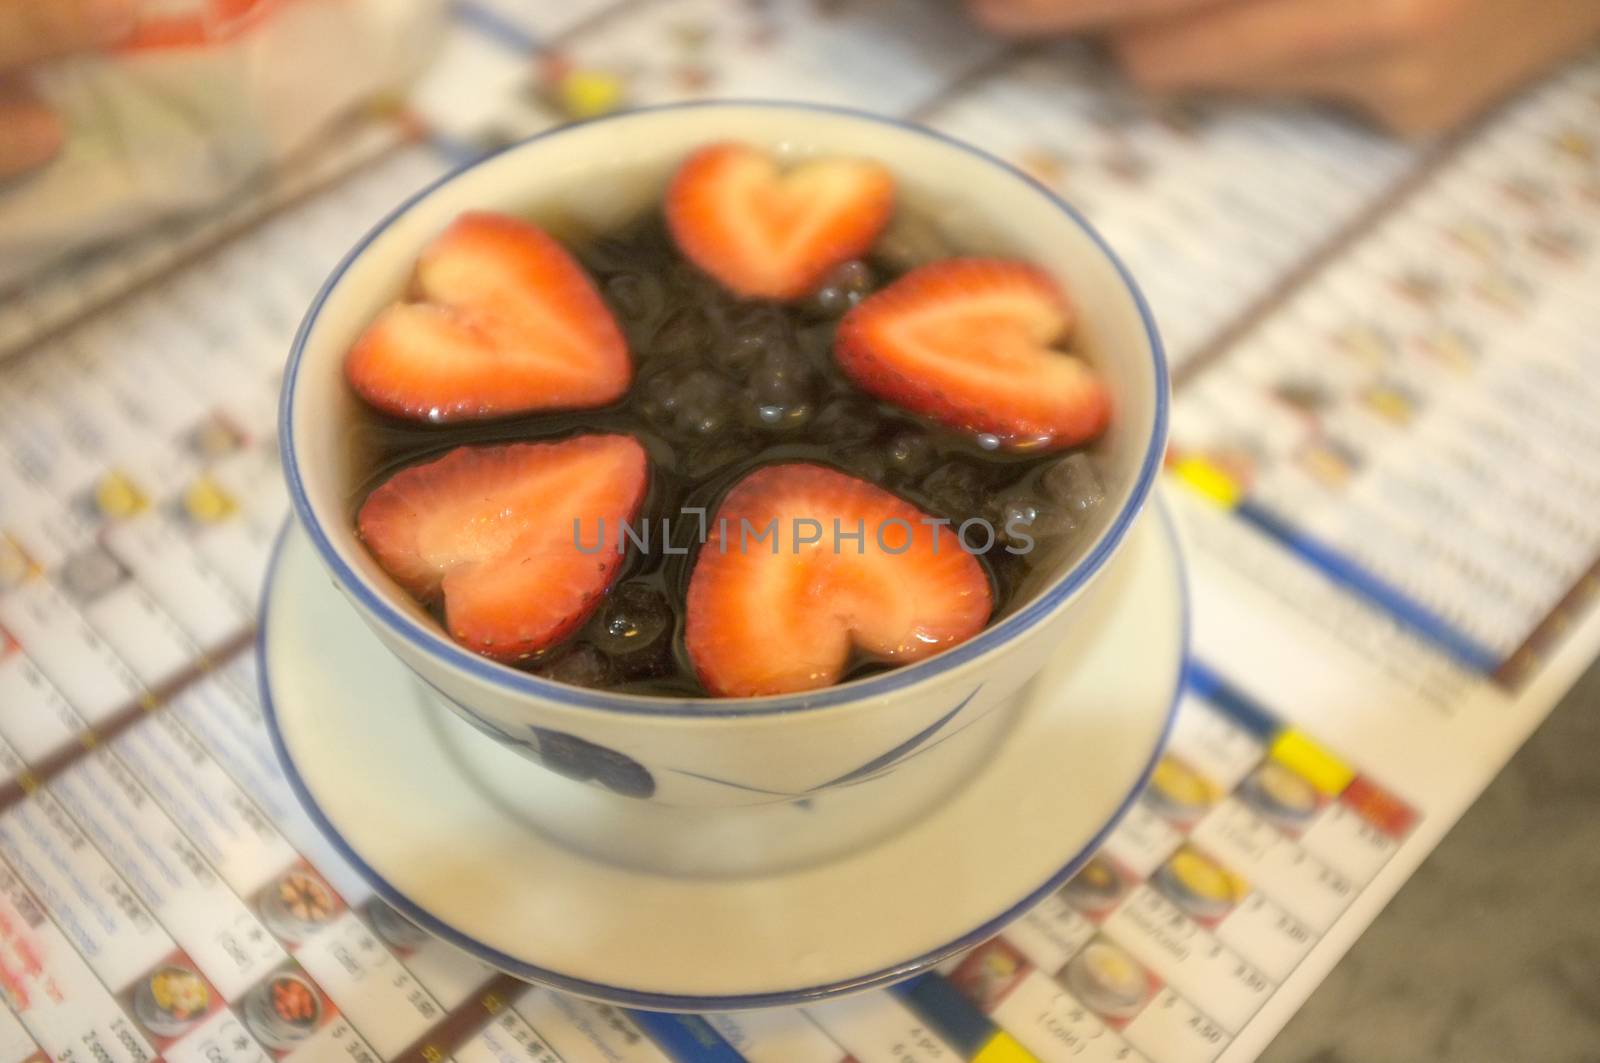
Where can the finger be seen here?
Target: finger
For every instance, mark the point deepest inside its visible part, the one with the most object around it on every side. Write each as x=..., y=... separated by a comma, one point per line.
x=1350, y=82
x=1260, y=75
x=1066, y=16
x=30, y=133
x=31, y=30
x=1217, y=45
x=1408, y=94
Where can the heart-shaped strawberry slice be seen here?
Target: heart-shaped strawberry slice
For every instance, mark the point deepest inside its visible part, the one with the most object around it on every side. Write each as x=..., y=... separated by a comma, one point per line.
x=772, y=234
x=975, y=343
x=790, y=609
x=502, y=321
x=510, y=536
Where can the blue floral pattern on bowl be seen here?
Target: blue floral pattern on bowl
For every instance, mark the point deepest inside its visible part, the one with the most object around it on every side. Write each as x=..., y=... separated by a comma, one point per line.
x=585, y=761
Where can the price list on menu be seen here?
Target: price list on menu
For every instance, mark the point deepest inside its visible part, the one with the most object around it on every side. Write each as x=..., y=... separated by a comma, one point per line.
x=1370, y=338
x=1419, y=418
x=1248, y=845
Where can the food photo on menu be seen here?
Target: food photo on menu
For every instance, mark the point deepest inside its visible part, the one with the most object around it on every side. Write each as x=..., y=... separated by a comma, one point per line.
x=798, y=531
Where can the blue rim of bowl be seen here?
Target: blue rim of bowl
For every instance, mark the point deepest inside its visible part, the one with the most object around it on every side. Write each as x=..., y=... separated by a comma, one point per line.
x=441, y=647
x=656, y=1001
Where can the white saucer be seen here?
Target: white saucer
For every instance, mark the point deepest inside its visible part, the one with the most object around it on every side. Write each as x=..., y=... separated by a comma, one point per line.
x=433, y=814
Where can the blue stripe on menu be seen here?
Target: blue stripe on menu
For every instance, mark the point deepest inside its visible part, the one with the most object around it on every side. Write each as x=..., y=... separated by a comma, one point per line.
x=1240, y=709
x=686, y=1038
x=496, y=27
x=1408, y=612
x=952, y=1015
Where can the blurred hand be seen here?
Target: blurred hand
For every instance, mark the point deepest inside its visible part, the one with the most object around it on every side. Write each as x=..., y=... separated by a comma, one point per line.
x=32, y=31
x=1418, y=66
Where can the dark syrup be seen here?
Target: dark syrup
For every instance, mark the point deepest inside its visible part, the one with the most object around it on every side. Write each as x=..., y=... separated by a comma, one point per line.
x=722, y=386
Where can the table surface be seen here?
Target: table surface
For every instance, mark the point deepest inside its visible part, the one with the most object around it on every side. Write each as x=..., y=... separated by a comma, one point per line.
x=1491, y=952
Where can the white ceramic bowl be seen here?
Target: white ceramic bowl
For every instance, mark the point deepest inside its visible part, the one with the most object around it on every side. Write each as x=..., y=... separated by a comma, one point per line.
x=862, y=757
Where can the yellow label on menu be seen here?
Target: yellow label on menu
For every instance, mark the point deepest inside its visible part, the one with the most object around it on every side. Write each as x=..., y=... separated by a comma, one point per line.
x=15, y=566
x=1207, y=480
x=1003, y=1048
x=1321, y=769
x=206, y=502
x=590, y=93
x=117, y=496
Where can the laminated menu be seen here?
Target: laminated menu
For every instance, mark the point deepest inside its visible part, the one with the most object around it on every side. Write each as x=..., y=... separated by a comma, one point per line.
x=1383, y=457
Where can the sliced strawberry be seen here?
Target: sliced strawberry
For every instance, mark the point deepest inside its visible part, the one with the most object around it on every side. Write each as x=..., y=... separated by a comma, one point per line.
x=975, y=343
x=503, y=321
x=768, y=234
x=780, y=614
x=496, y=530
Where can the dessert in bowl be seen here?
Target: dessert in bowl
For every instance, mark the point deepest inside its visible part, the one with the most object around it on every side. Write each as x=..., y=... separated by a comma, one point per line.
x=692, y=321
